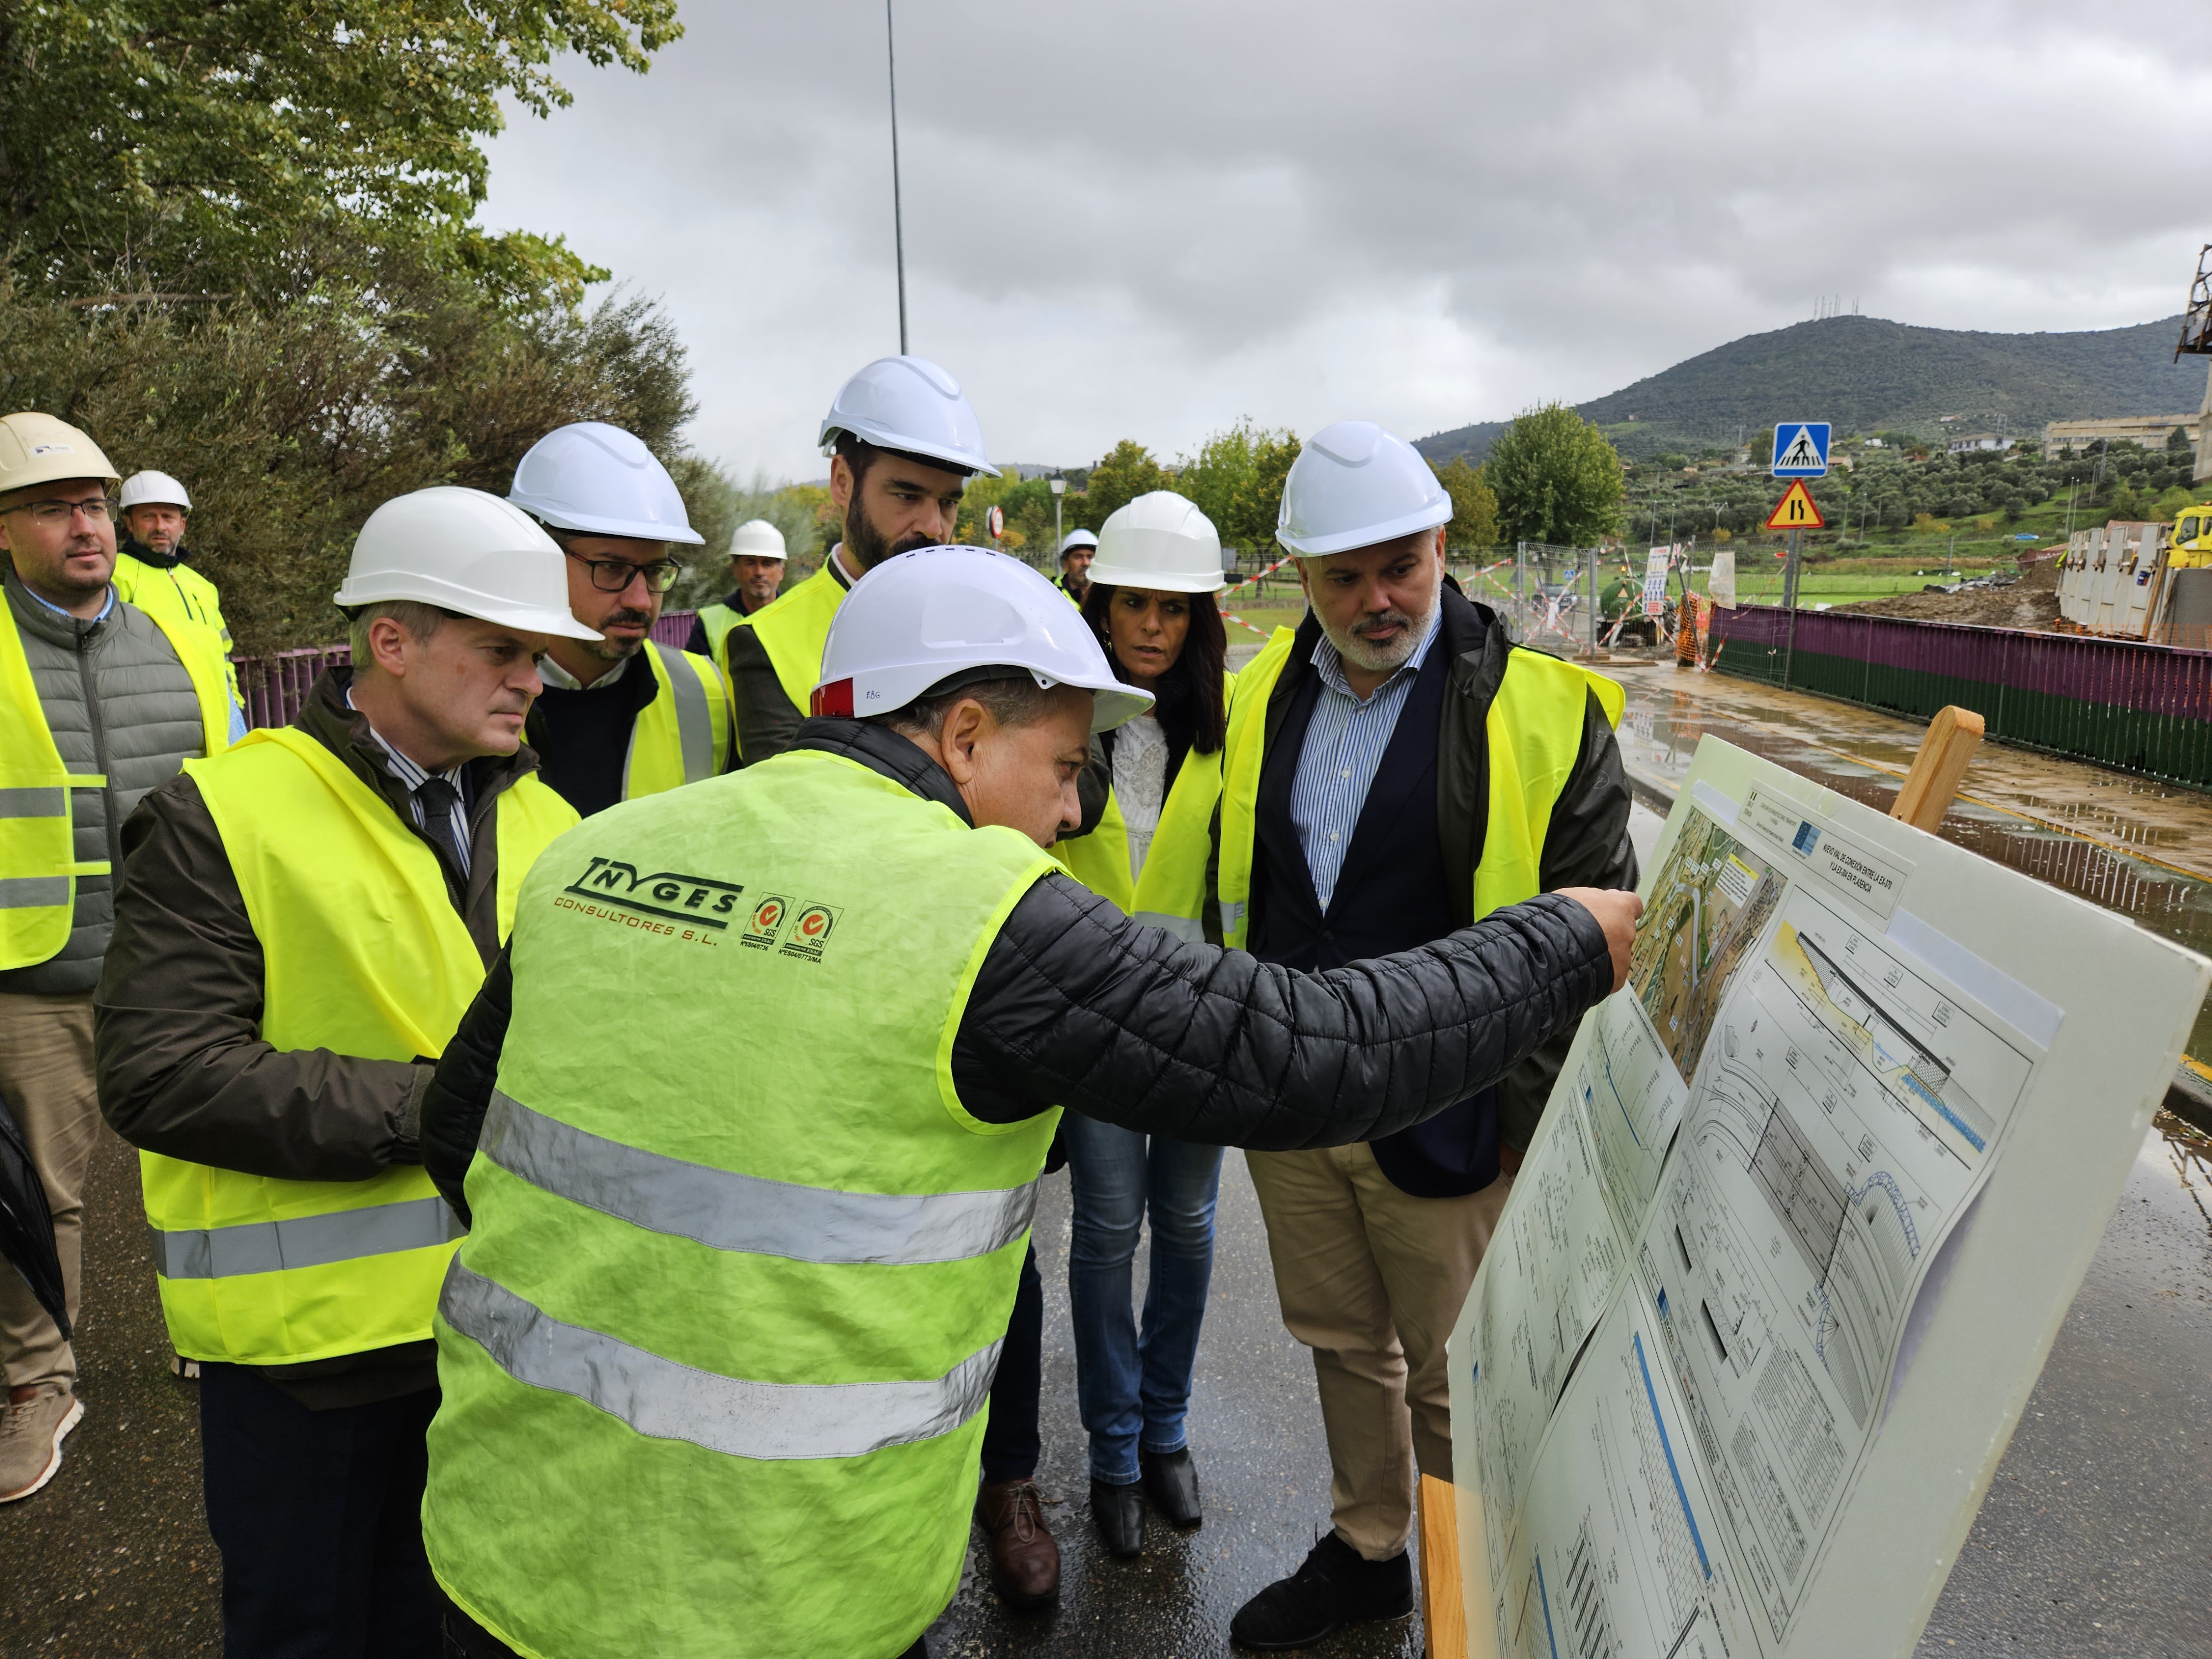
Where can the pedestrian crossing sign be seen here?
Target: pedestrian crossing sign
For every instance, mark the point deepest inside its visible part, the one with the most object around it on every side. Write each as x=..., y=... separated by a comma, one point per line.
x=1801, y=449
x=1796, y=510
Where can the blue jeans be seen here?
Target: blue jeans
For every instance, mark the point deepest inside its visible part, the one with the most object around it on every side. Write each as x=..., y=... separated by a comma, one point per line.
x=1135, y=1388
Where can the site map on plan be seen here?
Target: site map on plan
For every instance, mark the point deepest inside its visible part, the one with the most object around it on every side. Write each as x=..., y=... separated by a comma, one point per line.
x=1708, y=905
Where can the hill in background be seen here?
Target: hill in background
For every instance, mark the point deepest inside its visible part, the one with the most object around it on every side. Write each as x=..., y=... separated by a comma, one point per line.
x=1866, y=375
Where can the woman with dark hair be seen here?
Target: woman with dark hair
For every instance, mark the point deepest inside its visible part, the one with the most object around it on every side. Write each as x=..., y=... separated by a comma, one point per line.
x=1151, y=600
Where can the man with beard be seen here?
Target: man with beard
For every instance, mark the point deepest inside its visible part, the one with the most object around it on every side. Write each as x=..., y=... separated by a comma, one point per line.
x=757, y=559
x=609, y=726
x=1396, y=768
x=903, y=444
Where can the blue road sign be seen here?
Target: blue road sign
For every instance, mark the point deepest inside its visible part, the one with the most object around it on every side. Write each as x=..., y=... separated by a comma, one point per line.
x=1801, y=449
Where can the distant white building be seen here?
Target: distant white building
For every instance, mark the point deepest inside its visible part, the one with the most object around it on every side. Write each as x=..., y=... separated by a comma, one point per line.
x=2151, y=431
x=1959, y=443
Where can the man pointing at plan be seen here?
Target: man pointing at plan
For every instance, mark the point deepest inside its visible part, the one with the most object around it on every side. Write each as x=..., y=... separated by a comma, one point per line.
x=715, y=1353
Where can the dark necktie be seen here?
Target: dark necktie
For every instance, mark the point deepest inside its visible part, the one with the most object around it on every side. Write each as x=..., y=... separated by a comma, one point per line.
x=438, y=800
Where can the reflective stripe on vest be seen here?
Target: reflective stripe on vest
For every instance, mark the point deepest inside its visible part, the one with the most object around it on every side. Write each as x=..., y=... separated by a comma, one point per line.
x=363, y=955
x=1533, y=732
x=793, y=628
x=38, y=830
x=681, y=736
x=726, y=1211
x=314, y=1241
x=766, y=1235
x=769, y=1422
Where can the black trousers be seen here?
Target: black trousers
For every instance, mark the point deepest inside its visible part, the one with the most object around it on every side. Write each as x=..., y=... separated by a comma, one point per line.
x=1011, y=1443
x=318, y=1516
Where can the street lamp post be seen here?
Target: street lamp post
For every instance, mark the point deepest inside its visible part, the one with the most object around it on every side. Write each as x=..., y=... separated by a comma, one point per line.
x=1059, y=490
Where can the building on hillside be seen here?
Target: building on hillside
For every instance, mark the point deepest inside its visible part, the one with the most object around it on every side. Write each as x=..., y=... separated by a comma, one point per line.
x=1959, y=443
x=2151, y=431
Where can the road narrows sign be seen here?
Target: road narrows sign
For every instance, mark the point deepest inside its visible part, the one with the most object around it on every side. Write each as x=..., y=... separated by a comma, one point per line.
x=1796, y=510
x=1801, y=449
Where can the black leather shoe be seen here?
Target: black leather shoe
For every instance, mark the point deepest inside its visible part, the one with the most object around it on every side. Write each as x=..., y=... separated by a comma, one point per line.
x=1118, y=1514
x=1170, y=1480
x=1336, y=1586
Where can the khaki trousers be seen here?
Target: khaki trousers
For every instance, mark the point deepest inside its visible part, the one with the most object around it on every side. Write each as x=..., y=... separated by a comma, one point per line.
x=1372, y=1280
x=45, y=1074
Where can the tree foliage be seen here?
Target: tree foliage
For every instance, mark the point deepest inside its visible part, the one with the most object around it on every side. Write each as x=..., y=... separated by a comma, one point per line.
x=1475, y=504
x=1128, y=471
x=263, y=148
x=1556, y=479
x=1237, y=480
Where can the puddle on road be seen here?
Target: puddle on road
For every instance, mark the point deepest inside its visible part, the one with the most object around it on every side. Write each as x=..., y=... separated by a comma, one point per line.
x=2178, y=1152
x=1659, y=732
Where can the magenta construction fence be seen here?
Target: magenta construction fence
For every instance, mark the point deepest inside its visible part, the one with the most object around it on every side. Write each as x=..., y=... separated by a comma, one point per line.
x=273, y=688
x=2136, y=708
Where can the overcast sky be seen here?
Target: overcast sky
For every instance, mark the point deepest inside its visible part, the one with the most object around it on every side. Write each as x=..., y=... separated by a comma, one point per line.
x=1145, y=220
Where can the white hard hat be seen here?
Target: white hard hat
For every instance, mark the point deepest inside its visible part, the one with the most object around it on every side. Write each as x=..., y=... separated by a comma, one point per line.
x=909, y=404
x=599, y=480
x=1161, y=542
x=1076, y=538
x=462, y=550
x=141, y=488
x=756, y=538
x=921, y=617
x=36, y=449
x=1353, y=485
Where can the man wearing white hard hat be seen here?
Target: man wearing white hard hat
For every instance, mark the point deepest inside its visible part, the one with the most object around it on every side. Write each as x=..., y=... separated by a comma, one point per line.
x=902, y=444
x=152, y=567
x=302, y=922
x=99, y=702
x=754, y=1310
x=756, y=559
x=622, y=714
x=1397, y=767
x=1077, y=549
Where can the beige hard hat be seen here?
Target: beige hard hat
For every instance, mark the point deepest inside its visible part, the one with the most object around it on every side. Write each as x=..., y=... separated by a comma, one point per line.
x=37, y=449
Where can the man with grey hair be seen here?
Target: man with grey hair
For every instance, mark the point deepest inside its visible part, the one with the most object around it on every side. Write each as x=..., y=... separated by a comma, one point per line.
x=1415, y=771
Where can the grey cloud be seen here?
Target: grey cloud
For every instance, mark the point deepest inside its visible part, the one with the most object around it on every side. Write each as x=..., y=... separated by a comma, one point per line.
x=1146, y=220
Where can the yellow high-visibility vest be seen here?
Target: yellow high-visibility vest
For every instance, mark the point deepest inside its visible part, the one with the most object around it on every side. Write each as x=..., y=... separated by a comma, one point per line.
x=364, y=955
x=39, y=866
x=180, y=593
x=793, y=628
x=1533, y=734
x=683, y=736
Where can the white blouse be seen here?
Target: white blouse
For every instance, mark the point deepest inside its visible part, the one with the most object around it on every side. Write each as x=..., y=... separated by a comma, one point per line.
x=1140, y=783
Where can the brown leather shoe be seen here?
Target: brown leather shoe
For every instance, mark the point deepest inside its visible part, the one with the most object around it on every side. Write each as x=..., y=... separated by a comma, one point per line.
x=1024, y=1558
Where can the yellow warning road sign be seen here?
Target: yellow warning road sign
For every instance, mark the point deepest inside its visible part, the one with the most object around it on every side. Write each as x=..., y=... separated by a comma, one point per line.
x=1796, y=510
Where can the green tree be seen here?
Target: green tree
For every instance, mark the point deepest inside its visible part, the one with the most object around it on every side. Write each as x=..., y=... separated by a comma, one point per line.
x=1556, y=479
x=1237, y=480
x=175, y=147
x=1128, y=472
x=1474, y=505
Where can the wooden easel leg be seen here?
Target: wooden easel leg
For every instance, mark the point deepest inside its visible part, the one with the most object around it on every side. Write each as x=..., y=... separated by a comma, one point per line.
x=1925, y=796
x=1444, y=1603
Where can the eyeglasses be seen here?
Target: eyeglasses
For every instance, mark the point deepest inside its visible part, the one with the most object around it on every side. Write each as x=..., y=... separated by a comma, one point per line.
x=614, y=576
x=98, y=510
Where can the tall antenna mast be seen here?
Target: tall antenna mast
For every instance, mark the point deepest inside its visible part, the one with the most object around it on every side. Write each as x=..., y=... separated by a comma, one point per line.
x=898, y=220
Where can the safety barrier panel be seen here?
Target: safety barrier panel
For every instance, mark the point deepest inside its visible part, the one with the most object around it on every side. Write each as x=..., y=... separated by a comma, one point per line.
x=274, y=688
x=2135, y=707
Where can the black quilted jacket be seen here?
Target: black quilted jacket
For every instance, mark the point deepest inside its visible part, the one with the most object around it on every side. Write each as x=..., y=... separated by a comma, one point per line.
x=1077, y=1007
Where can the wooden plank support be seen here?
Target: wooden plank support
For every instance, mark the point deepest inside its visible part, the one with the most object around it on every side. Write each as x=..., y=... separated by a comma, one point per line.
x=1444, y=1602
x=1952, y=738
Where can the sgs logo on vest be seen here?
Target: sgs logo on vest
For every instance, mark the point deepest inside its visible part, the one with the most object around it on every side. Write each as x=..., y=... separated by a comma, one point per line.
x=765, y=922
x=697, y=900
x=811, y=928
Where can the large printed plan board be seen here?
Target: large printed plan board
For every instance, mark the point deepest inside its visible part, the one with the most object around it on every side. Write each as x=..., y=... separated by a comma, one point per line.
x=1809, y=1204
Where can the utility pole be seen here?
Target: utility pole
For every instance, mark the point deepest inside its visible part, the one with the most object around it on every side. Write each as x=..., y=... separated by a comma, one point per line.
x=898, y=219
x=1790, y=605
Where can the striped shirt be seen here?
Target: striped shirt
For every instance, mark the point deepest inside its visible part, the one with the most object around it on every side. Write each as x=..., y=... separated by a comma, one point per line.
x=415, y=777
x=1343, y=751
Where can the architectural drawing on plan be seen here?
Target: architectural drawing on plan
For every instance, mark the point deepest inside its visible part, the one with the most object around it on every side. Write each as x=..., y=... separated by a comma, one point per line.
x=1709, y=904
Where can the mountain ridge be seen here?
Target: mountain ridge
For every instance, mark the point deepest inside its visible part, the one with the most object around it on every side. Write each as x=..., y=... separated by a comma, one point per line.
x=1869, y=374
